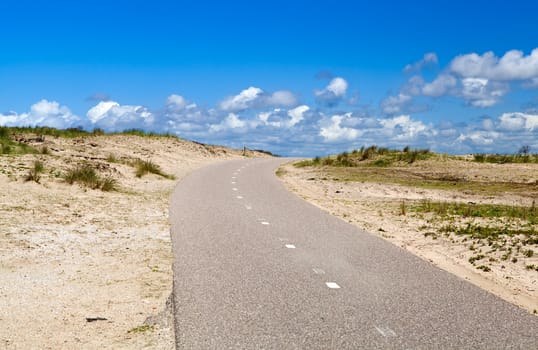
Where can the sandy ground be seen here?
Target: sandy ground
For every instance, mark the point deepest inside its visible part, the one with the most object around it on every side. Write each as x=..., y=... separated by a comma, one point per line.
x=69, y=254
x=377, y=208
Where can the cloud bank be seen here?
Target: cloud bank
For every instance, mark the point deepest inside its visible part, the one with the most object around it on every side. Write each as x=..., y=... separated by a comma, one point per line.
x=280, y=122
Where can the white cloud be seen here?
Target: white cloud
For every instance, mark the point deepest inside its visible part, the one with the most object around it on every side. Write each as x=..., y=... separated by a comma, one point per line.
x=404, y=128
x=176, y=102
x=281, y=98
x=514, y=65
x=241, y=101
x=283, y=119
x=254, y=97
x=517, y=121
x=429, y=59
x=112, y=116
x=43, y=113
x=440, y=86
x=395, y=104
x=332, y=93
x=231, y=123
x=333, y=131
x=481, y=92
x=297, y=115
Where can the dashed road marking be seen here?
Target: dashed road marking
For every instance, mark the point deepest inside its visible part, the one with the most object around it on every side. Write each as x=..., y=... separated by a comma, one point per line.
x=290, y=246
x=239, y=197
x=234, y=189
x=385, y=331
x=248, y=207
x=318, y=271
x=264, y=223
x=233, y=177
x=233, y=182
x=332, y=285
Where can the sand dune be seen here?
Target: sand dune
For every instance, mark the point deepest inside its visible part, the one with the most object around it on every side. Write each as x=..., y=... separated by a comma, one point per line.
x=68, y=252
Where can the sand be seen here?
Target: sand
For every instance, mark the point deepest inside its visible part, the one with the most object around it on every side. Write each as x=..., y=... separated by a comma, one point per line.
x=83, y=268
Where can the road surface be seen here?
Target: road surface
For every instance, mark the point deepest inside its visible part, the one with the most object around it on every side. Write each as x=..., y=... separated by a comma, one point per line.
x=256, y=267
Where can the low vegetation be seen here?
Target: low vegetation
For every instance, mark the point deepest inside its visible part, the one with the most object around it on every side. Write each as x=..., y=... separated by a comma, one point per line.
x=34, y=174
x=371, y=156
x=144, y=167
x=523, y=155
x=9, y=146
x=87, y=176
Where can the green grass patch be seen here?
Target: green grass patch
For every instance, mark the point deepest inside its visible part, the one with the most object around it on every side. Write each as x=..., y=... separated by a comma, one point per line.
x=479, y=210
x=87, y=176
x=141, y=329
x=370, y=156
x=491, y=233
x=505, y=158
x=9, y=146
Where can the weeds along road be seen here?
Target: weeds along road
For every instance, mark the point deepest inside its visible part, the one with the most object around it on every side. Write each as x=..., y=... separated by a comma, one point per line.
x=258, y=268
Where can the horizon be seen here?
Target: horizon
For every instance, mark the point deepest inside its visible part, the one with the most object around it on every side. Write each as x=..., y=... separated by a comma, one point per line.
x=296, y=79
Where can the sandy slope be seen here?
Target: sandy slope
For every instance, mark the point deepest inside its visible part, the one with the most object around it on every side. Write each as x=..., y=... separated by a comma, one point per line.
x=68, y=253
x=376, y=208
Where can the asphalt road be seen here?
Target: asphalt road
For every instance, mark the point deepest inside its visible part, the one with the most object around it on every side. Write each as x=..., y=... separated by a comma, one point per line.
x=256, y=267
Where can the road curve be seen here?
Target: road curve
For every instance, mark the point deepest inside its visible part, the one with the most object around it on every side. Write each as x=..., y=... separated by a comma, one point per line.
x=256, y=267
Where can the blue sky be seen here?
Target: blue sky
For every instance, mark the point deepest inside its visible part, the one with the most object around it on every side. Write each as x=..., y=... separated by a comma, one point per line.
x=293, y=77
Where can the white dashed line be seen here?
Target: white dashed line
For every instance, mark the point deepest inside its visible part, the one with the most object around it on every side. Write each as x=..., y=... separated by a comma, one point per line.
x=234, y=189
x=290, y=246
x=332, y=285
x=385, y=331
x=248, y=207
x=233, y=182
x=233, y=177
x=239, y=197
x=264, y=223
x=318, y=271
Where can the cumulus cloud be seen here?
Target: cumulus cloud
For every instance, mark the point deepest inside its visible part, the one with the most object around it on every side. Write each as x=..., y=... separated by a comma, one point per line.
x=333, y=131
x=43, y=113
x=428, y=59
x=112, y=116
x=283, y=119
x=403, y=128
x=517, y=121
x=513, y=65
x=176, y=102
x=254, y=97
x=332, y=93
x=481, y=92
x=232, y=122
x=442, y=85
x=395, y=104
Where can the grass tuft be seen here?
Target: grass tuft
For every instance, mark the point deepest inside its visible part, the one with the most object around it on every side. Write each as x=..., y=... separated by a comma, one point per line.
x=87, y=176
x=35, y=173
x=144, y=167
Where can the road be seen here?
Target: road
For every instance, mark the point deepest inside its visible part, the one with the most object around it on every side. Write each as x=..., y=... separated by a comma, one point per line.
x=256, y=267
